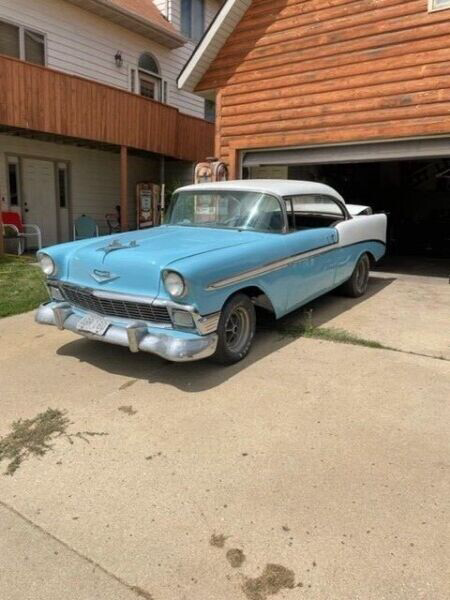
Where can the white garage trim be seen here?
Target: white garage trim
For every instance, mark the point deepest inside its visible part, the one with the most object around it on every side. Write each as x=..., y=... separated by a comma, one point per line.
x=346, y=153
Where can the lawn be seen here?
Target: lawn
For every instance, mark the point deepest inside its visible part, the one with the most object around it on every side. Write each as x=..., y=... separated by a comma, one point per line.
x=21, y=285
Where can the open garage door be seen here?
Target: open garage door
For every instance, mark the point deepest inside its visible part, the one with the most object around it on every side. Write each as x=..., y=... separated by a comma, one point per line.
x=410, y=180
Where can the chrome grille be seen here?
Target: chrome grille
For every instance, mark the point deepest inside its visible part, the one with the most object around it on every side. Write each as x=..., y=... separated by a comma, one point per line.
x=109, y=307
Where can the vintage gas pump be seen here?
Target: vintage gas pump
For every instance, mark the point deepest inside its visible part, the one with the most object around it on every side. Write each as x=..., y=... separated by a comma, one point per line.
x=205, y=172
x=148, y=203
x=210, y=170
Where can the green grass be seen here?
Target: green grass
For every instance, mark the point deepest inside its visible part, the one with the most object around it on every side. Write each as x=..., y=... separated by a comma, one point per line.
x=304, y=327
x=21, y=285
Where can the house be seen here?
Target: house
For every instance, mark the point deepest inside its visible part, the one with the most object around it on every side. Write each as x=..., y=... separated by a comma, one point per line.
x=354, y=93
x=89, y=106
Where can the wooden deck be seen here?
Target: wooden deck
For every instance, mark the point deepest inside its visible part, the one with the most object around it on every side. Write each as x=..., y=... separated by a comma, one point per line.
x=49, y=101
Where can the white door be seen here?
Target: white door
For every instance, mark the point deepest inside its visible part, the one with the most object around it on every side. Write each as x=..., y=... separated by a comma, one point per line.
x=39, y=197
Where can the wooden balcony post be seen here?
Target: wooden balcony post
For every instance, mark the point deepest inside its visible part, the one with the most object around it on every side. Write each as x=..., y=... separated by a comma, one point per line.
x=124, y=188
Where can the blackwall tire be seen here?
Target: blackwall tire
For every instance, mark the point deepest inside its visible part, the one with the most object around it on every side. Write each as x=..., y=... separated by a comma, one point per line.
x=236, y=330
x=357, y=285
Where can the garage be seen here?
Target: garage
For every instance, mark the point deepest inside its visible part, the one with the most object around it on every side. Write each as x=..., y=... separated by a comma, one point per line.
x=409, y=180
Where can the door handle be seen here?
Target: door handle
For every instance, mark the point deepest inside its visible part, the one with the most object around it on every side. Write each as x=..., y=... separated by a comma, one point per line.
x=26, y=210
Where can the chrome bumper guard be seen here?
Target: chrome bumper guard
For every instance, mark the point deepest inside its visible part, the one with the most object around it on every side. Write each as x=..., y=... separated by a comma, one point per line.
x=173, y=345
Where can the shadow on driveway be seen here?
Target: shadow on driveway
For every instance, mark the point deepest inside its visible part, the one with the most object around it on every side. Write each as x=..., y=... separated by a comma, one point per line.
x=205, y=375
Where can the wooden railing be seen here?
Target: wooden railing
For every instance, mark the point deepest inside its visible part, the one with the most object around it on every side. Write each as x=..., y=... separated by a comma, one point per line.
x=45, y=100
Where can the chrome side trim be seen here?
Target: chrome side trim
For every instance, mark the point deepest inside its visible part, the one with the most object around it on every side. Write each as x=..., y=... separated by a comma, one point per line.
x=269, y=267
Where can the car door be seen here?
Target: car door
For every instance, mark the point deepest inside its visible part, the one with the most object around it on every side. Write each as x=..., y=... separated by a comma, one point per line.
x=312, y=247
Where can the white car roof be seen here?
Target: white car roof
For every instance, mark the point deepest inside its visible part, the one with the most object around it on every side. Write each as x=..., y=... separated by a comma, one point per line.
x=281, y=187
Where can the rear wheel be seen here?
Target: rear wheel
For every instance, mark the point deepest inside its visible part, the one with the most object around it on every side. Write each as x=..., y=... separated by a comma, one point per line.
x=356, y=286
x=236, y=330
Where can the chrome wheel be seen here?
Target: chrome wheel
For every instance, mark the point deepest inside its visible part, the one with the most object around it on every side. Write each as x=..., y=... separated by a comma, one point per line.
x=237, y=329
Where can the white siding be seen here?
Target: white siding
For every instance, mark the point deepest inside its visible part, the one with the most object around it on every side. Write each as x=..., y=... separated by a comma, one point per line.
x=81, y=43
x=184, y=53
x=94, y=175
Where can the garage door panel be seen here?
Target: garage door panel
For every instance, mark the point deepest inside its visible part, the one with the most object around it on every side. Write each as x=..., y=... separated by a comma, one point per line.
x=404, y=149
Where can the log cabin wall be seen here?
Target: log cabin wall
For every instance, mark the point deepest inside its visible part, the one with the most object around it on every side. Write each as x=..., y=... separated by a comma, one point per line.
x=301, y=72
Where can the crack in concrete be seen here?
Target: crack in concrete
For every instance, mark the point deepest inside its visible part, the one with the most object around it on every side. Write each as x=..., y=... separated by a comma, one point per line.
x=138, y=591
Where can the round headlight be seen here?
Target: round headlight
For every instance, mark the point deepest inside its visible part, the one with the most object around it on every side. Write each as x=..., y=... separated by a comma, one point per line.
x=47, y=264
x=174, y=284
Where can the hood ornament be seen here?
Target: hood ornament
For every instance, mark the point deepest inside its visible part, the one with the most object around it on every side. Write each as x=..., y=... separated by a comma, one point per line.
x=116, y=245
x=103, y=276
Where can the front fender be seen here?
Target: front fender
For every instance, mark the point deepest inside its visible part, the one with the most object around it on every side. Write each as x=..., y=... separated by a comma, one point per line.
x=202, y=272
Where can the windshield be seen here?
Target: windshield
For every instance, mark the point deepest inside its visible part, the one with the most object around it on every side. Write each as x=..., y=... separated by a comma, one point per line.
x=226, y=209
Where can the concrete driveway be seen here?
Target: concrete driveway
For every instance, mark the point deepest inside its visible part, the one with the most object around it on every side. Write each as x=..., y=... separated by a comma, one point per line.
x=311, y=470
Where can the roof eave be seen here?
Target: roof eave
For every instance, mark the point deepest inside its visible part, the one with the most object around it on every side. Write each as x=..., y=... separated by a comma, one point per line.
x=210, y=44
x=133, y=22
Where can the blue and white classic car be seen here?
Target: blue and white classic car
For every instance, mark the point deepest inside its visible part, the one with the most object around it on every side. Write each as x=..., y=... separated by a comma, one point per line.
x=188, y=289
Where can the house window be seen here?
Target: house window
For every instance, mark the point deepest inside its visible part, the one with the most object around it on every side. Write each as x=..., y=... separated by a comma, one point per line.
x=22, y=43
x=193, y=18
x=34, y=46
x=13, y=182
x=9, y=40
x=210, y=111
x=150, y=82
x=438, y=4
x=62, y=185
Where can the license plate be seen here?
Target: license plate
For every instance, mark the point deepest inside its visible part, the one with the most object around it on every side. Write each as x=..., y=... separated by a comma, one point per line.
x=93, y=324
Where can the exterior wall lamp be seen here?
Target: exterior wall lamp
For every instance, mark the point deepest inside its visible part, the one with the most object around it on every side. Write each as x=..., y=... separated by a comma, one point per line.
x=118, y=58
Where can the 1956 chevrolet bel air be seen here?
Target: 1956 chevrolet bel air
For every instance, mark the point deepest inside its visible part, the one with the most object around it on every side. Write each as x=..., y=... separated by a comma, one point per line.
x=188, y=289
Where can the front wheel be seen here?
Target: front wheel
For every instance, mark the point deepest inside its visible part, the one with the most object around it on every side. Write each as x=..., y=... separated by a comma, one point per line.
x=236, y=330
x=356, y=286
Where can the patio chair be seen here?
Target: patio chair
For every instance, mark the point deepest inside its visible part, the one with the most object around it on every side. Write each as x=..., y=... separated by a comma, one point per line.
x=84, y=227
x=113, y=221
x=12, y=221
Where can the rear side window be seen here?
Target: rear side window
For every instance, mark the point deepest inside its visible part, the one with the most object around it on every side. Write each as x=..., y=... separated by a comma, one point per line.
x=312, y=211
x=309, y=203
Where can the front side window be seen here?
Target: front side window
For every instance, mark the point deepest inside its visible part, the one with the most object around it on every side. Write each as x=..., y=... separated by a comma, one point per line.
x=438, y=4
x=192, y=19
x=223, y=209
x=22, y=43
x=150, y=82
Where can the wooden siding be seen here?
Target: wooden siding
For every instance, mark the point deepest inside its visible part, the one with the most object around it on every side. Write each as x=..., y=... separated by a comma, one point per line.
x=81, y=43
x=44, y=100
x=300, y=72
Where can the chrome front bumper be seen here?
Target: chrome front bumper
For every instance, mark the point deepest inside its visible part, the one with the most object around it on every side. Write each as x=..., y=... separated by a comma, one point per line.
x=173, y=345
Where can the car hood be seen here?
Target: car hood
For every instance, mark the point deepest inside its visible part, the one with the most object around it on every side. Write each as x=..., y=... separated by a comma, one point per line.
x=132, y=262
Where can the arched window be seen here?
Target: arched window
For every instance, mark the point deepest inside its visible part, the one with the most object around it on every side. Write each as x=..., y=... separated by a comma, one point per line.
x=148, y=63
x=150, y=82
